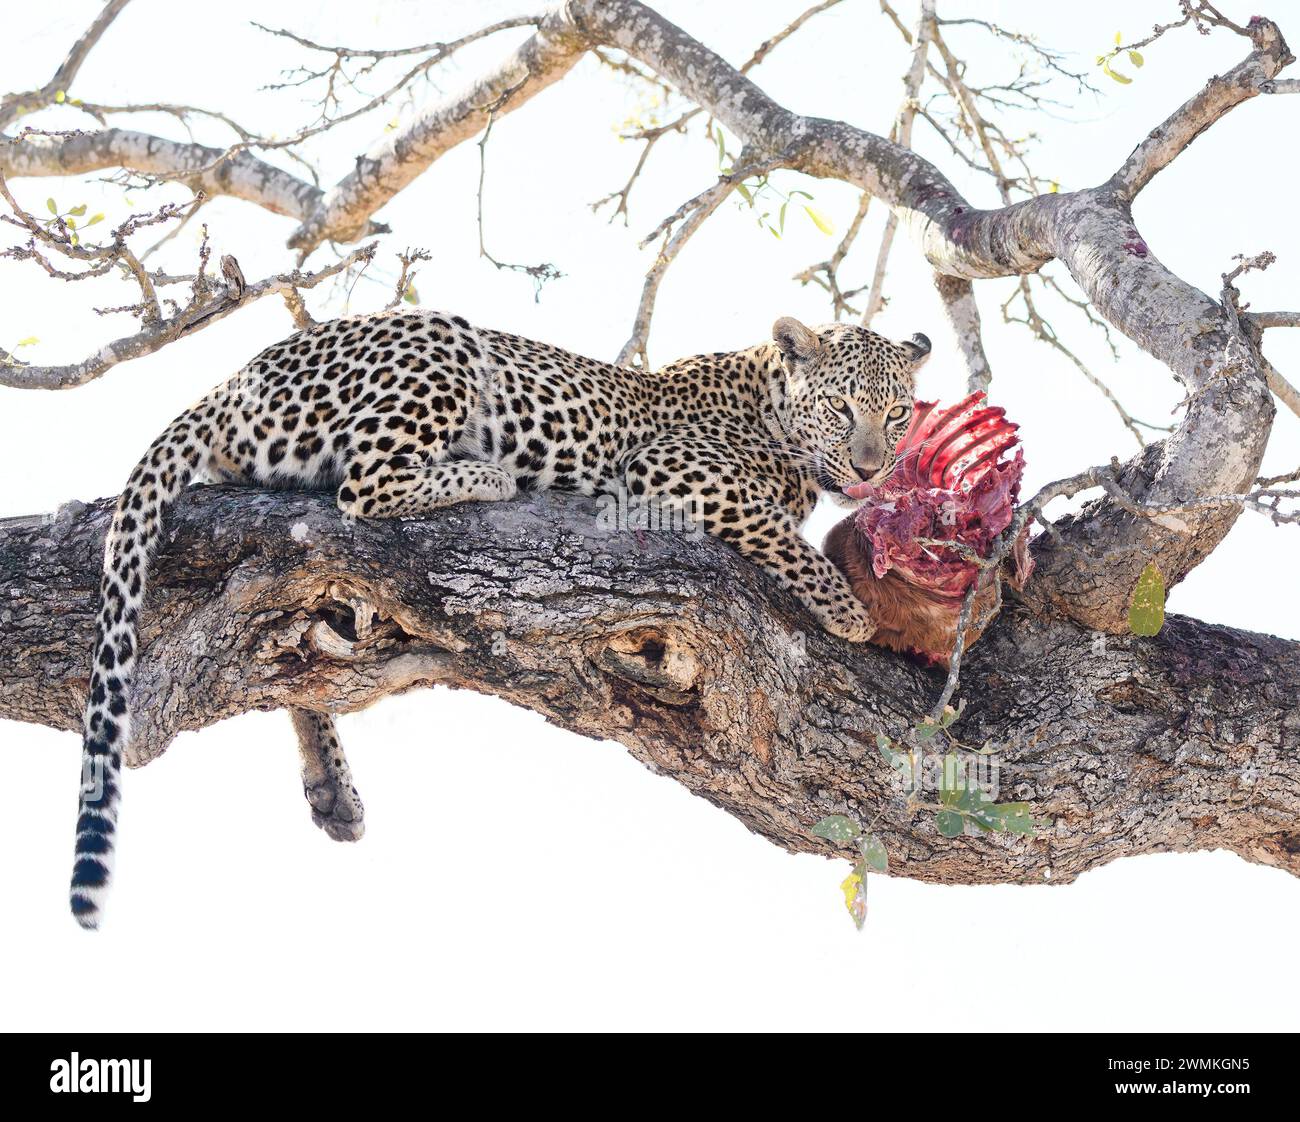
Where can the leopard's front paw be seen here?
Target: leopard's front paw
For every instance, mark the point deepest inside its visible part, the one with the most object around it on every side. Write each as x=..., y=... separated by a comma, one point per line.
x=849, y=619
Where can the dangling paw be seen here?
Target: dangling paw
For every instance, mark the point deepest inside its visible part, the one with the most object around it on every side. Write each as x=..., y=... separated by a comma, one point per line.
x=336, y=807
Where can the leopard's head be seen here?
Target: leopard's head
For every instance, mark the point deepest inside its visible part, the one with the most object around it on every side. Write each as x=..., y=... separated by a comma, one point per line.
x=849, y=395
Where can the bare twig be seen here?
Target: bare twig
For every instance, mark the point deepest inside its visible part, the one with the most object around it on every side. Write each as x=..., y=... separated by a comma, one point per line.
x=297, y=309
x=540, y=273
x=651, y=136
x=901, y=135
x=198, y=314
x=687, y=218
x=404, y=289
x=1044, y=332
x=16, y=105
x=826, y=273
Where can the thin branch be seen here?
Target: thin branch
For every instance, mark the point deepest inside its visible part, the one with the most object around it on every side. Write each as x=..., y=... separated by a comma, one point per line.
x=540, y=273
x=404, y=289
x=16, y=105
x=437, y=53
x=651, y=136
x=687, y=219
x=293, y=300
x=404, y=153
x=1051, y=60
x=958, y=296
x=901, y=135
x=1044, y=332
x=194, y=317
x=826, y=274
x=1230, y=298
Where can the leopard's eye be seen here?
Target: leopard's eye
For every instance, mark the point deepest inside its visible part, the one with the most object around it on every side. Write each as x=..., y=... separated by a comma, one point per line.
x=898, y=412
x=840, y=406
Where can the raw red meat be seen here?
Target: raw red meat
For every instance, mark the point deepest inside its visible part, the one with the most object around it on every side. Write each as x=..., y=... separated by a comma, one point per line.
x=951, y=482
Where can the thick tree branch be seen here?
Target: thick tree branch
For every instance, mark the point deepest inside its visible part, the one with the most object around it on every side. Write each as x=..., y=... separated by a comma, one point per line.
x=1276, y=319
x=1222, y=93
x=197, y=166
x=381, y=173
x=265, y=600
x=1093, y=558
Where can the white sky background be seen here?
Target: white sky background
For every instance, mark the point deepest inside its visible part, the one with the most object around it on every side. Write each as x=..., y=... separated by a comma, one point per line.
x=615, y=899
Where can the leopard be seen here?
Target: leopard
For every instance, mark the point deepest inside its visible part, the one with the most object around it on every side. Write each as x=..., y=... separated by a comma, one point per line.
x=404, y=412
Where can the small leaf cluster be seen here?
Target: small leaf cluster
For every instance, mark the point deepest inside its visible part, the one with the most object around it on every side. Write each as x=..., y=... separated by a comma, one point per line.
x=1104, y=61
x=963, y=807
x=760, y=192
x=842, y=829
x=68, y=219
x=29, y=341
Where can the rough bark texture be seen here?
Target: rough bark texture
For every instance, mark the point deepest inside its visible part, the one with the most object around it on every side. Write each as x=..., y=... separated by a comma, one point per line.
x=270, y=600
x=676, y=648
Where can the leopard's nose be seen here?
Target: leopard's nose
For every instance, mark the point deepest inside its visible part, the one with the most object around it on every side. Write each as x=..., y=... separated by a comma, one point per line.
x=867, y=471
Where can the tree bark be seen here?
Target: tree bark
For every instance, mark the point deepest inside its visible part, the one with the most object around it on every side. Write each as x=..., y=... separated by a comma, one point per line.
x=268, y=600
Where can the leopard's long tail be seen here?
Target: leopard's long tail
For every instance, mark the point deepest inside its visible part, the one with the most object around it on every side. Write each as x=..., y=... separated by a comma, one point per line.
x=137, y=524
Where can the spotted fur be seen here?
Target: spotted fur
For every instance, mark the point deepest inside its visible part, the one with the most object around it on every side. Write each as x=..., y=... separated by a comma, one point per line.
x=406, y=412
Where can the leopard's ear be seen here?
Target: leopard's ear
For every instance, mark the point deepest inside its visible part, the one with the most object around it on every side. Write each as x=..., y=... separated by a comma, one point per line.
x=796, y=342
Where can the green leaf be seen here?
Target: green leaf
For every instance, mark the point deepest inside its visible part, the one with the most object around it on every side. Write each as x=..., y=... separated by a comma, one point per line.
x=1146, y=605
x=1122, y=79
x=722, y=146
x=950, y=823
x=1119, y=38
x=52, y=207
x=78, y=210
x=1014, y=817
x=949, y=792
x=95, y=218
x=836, y=828
x=926, y=729
x=410, y=295
x=1136, y=59
x=894, y=759
x=973, y=801
x=60, y=96
x=873, y=853
x=819, y=220
x=30, y=341
x=781, y=215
